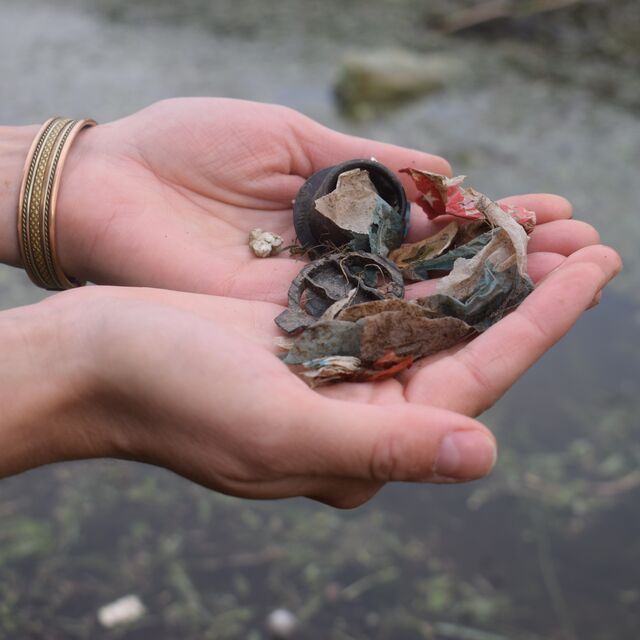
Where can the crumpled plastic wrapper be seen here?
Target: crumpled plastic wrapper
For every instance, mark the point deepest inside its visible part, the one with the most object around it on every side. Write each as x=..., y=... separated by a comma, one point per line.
x=344, y=324
x=338, y=280
x=446, y=196
x=385, y=336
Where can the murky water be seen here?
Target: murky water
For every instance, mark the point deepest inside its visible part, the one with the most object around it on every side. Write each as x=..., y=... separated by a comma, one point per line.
x=548, y=547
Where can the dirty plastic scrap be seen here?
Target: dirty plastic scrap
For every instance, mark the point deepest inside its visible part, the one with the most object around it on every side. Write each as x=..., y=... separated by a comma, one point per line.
x=347, y=318
x=343, y=279
x=264, y=243
x=356, y=207
x=446, y=196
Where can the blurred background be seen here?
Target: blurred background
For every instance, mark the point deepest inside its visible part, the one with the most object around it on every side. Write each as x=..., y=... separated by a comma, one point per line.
x=522, y=96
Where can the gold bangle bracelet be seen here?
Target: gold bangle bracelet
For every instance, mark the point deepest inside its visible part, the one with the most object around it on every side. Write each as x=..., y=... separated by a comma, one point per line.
x=37, y=204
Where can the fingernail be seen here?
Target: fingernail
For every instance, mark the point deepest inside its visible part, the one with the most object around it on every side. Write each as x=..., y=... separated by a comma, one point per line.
x=465, y=455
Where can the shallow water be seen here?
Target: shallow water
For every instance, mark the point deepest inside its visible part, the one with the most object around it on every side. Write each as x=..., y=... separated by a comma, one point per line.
x=546, y=548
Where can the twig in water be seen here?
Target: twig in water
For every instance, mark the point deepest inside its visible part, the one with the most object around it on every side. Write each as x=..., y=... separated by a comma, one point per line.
x=495, y=9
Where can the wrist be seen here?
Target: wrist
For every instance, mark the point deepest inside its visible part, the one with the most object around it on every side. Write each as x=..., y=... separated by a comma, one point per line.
x=79, y=184
x=47, y=388
x=14, y=148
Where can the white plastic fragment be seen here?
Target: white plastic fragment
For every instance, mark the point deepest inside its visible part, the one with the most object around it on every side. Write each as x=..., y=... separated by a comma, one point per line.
x=517, y=234
x=330, y=368
x=122, y=611
x=284, y=342
x=264, y=243
x=332, y=312
x=281, y=624
x=352, y=203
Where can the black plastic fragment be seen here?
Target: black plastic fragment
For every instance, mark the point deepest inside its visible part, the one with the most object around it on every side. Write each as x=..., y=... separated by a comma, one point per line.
x=320, y=235
x=331, y=278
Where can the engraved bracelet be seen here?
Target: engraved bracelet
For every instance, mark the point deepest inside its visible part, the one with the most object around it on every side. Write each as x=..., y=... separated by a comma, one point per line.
x=37, y=204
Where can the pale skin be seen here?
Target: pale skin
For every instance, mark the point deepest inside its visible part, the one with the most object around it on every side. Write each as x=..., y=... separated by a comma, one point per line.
x=167, y=375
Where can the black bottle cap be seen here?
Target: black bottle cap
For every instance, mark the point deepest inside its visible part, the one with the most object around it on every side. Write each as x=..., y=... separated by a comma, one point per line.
x=317, y=233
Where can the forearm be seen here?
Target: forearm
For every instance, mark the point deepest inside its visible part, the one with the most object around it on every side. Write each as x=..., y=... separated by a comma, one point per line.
x=14, y=147
x=46, y=390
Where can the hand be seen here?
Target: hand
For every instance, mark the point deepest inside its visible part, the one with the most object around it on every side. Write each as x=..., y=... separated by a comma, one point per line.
x=167, y=197
x=190, y=382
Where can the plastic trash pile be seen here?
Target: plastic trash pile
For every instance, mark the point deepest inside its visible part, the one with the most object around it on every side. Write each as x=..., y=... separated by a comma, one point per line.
x=347, y=317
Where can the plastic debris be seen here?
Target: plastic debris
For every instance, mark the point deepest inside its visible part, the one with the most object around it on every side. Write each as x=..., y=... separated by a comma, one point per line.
x=331, y=368
x=264, y=243
x=347, y=318
x=358, y=205
x=122, y=611
x=356, y=208
x=379, y=335
x=339, y=278
x=446, y=196
x=281, y=624
x=482, y=288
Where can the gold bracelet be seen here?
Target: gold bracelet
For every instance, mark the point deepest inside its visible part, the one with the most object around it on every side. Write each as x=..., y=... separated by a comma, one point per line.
x=37, y=204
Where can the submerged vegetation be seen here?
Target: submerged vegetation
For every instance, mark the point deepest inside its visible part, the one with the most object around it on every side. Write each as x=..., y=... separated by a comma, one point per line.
x=508, y=558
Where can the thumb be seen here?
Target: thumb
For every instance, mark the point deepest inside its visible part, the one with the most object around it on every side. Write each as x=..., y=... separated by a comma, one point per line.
x=396, y=442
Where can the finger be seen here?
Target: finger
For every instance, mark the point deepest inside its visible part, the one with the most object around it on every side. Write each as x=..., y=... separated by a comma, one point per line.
x=563, y=236
x=540, y=265
x=420, y=227
x=547, y=206
x=341, y=493
x=474, y=377
x=422, y=289
x=344, y=493
x=323, y=147
x=393, y=442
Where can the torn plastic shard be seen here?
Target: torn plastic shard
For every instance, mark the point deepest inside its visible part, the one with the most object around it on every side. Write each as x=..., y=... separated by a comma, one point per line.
x=380, y=334
x=494, y=294
x=332, y=279
x=356, y=208
x=331, y=368
x=481, y=289
x=360, y=204
x=264, y=243
x=281, y=624
x=410, y=255
x=441, y=195
x=122, y=611
x=351, y=203
x=420, y=269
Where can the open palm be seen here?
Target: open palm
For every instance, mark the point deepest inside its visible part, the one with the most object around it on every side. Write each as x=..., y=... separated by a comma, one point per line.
x=195, y=387
x=166, y=197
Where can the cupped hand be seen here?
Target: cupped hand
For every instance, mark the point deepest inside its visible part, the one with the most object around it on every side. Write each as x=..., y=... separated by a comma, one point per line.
x=191, y=383
x=167, y=197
